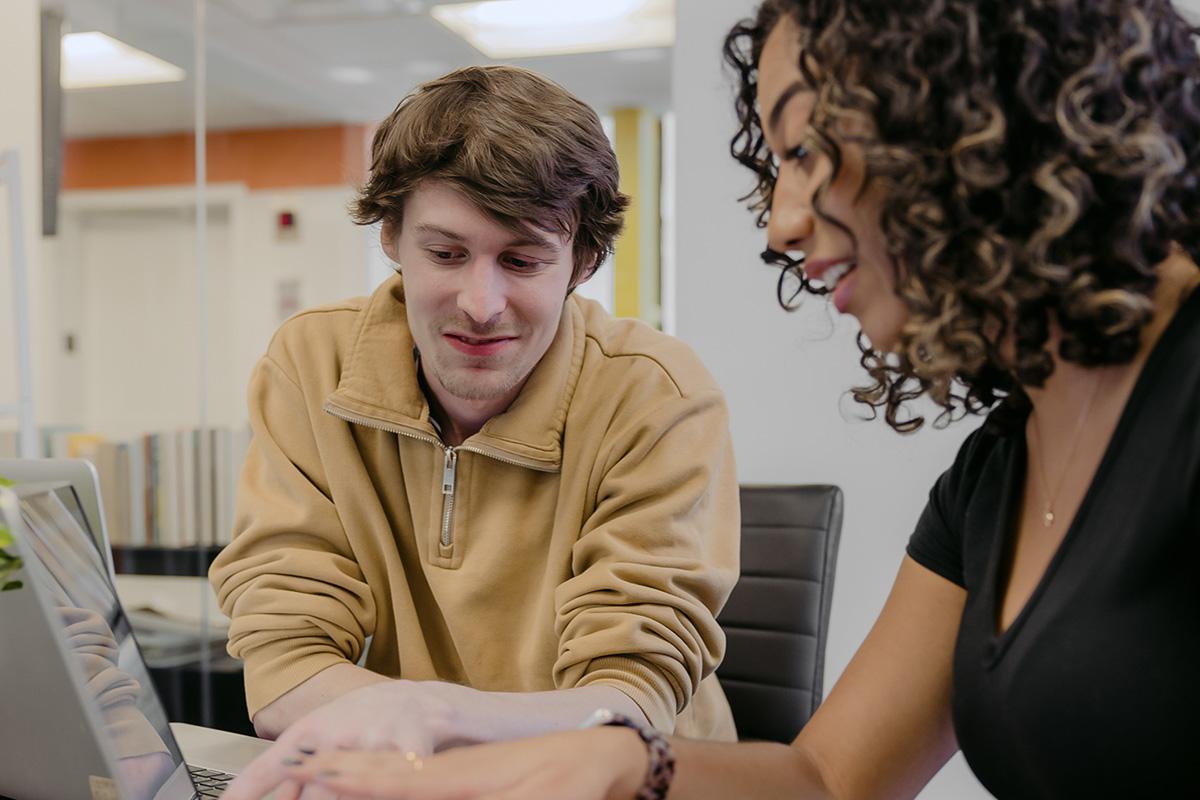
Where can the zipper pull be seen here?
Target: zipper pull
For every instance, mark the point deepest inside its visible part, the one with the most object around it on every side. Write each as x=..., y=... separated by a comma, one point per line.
x=448, y=470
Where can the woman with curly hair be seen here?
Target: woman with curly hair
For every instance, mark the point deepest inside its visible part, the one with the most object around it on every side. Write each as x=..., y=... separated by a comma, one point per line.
x=1005, y=195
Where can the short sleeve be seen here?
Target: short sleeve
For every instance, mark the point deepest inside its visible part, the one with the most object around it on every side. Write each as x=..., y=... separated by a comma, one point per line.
x=934, y=543
x=937, y=541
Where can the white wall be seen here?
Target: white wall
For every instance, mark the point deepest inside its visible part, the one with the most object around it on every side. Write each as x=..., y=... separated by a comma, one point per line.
x=327, y=256
x=20, y=126
x=786, y=375
x=121, y=280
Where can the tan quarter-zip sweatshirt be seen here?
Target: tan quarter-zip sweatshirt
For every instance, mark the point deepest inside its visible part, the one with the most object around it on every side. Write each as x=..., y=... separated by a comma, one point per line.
x=587, y=535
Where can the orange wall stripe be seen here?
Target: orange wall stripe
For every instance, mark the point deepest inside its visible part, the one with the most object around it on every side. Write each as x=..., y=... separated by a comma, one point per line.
x=267, y=158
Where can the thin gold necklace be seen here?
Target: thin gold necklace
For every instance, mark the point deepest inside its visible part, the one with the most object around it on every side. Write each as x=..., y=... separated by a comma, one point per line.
x=1049, y=497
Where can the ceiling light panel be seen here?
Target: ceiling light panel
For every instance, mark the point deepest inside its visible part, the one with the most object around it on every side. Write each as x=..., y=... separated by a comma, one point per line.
x=300, y=11
x=93, y=59
x=527, y=28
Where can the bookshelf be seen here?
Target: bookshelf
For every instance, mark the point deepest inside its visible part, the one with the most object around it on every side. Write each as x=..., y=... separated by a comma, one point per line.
x=168, y=494
x=165, y=519
x=159, y=560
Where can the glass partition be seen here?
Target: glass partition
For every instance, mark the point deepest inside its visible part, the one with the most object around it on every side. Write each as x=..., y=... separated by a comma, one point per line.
x=171, y=264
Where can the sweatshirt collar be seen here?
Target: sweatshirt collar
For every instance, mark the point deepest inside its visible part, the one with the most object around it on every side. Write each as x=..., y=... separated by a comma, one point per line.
x=379, y=385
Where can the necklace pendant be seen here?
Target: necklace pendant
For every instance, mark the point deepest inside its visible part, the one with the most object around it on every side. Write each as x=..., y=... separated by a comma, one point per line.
x=1048, y=518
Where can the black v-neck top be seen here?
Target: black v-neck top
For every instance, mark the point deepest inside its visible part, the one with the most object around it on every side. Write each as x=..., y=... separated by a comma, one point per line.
x=1094, y=690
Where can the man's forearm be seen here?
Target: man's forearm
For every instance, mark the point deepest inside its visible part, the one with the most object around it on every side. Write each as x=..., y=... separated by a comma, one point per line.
x=496, y=716
x=328, y=684
x=454, y=715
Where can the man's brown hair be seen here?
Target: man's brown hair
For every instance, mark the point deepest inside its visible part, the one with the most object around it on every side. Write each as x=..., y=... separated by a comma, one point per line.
x=519, y=146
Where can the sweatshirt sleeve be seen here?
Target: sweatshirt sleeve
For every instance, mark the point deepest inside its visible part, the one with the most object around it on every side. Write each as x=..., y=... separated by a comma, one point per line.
x=656, y=560
x=297, y=598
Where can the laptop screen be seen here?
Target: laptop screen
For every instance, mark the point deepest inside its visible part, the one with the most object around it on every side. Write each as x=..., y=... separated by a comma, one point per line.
x=99, y=636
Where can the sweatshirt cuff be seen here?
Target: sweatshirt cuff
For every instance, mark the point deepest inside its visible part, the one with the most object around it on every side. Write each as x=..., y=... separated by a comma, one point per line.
x=273, y=670
x=653, y=693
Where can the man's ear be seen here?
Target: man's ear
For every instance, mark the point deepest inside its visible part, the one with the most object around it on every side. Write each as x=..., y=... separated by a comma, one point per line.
x=389, y=237
x=585, y=275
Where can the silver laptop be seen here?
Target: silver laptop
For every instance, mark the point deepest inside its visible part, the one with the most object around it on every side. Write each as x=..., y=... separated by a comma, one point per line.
x=84, y=480
x=78, y=713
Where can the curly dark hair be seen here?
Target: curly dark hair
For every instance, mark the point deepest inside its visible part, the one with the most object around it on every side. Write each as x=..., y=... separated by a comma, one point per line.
x=1037, y=157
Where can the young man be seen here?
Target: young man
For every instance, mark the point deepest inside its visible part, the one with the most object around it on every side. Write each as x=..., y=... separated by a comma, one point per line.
x=528, y=506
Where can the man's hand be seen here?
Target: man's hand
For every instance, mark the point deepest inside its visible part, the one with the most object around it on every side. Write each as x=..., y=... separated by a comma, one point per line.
x=420, y=718
x=321, y=689
x=594, y=764
x=395, y=715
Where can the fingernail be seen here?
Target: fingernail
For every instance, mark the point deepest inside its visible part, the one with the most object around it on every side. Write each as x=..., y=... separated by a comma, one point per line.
x=308, y=751
x=328, y=773
x=292, y=762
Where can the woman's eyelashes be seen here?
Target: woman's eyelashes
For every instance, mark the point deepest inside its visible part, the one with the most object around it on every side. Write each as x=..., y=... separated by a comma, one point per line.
x=793, y=155
x=797, y=153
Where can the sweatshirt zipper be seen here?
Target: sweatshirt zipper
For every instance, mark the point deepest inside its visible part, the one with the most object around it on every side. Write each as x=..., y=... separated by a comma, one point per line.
x=449, y=465
x=448, y=473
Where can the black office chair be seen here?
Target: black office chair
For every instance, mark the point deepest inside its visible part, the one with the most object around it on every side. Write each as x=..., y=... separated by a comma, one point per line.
x=777, y=618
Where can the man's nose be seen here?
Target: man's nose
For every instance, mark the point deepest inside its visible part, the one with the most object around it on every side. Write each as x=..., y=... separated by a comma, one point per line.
x=482, y=293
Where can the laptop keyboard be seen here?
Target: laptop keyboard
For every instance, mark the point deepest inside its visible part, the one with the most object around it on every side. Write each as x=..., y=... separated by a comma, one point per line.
x=209, y=782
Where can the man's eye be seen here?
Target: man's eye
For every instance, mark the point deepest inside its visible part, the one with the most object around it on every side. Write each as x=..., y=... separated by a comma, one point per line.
x=524, y=264
x=443, y=255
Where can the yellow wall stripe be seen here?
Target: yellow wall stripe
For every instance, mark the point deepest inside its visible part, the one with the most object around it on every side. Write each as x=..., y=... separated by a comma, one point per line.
x=626, y=276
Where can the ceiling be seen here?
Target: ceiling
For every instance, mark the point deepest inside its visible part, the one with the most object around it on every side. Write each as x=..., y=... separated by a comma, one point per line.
x=274, y=62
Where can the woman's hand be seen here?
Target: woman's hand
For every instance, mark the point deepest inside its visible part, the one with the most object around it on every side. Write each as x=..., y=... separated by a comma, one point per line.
x=393, y=716
x=598, y=764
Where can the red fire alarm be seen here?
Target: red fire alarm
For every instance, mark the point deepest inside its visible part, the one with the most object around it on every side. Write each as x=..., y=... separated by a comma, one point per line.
x=287, y=220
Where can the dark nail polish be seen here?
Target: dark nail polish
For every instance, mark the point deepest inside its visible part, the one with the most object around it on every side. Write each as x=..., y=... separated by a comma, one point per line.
x=308, y=751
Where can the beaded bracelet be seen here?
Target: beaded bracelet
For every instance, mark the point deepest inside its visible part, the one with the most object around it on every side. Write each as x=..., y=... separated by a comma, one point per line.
x=662, y=759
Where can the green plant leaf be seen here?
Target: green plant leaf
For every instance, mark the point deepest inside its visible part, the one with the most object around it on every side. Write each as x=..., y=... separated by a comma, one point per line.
x=11, y=586
x=10, y=564
x=6, y=482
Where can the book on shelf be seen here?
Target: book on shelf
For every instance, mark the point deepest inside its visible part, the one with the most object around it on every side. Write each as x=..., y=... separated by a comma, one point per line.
x=160, y=489
x=171, y=488
x=166, y=507
x=202, y=444
x=134, y=500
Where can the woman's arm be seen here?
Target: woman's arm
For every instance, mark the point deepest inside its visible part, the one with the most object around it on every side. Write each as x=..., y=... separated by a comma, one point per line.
x=885, y=728
x=883, y=731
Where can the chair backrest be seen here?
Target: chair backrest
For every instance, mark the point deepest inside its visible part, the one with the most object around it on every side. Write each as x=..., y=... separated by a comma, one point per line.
x=777, y=618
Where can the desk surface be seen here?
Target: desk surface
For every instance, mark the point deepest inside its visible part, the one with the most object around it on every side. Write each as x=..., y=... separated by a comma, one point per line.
x=213, y=749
